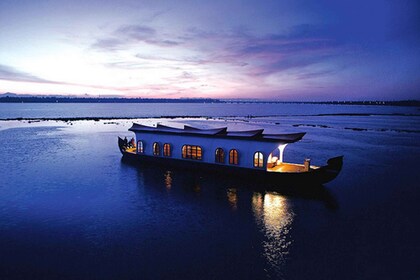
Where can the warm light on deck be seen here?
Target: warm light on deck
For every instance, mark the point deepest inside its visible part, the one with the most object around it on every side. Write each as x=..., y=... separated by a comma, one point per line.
x=281, y=150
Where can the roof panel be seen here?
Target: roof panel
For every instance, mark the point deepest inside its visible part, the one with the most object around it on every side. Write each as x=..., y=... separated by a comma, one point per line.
x=220, y=133
x=248, y=133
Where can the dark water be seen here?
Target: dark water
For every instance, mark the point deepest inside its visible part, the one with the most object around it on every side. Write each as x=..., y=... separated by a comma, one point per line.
x=71, y=209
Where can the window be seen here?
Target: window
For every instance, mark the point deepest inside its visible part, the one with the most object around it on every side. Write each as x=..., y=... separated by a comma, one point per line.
x=258, y=159
x=233, y=156
x=220, y=155
x=167, y=150
x=192, y=152
x=156, y=149
x=140, y=147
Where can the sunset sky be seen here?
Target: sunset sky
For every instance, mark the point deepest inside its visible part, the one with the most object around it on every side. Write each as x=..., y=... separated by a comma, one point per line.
x=286, y=50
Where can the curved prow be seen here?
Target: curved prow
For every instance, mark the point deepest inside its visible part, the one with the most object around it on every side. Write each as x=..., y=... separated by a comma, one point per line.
x=122, y=145
x=335, y=163
x=331, y=170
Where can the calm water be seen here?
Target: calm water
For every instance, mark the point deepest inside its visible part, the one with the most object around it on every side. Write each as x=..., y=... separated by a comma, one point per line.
x=71, y=209
x=51, y=110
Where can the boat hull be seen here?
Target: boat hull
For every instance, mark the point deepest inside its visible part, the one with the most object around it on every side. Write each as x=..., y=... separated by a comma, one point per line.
x=317, y=176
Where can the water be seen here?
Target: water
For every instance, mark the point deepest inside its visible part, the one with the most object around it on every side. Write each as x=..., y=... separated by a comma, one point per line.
x=80, y=110
x=71, y=209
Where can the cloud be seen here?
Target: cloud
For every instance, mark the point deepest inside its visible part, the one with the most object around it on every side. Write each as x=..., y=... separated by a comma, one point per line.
x=228, y=61
x=109, y=44
x=135, y=32
x=187, y=59
x=188, y=76
x=301, y=46
x=127, y=35
x=11, y=74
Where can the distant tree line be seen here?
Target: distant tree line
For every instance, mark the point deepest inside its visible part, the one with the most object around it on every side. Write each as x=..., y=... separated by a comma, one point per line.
x=53, y=99
x=411, y=103
x=48, y=99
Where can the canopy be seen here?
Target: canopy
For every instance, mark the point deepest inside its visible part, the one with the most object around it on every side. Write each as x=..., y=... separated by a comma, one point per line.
x=219, y=133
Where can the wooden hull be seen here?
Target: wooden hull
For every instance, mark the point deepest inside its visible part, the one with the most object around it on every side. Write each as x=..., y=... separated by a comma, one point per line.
x=318, y=176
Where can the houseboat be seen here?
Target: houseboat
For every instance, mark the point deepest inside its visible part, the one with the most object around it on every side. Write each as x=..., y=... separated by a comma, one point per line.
x=251, y=153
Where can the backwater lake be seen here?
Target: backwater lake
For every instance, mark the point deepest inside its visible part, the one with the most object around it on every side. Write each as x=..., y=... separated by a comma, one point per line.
x=70, y=208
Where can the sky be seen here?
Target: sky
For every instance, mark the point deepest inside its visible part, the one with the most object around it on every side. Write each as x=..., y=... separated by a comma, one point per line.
x=279, y=50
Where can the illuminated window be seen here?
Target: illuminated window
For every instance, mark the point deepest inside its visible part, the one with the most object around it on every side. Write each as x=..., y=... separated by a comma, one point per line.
x=220, y=155
x=192, y=152
x=167, y=150
x=233, y=156
x=156, y=149
x=258, y=159
x=140, y=147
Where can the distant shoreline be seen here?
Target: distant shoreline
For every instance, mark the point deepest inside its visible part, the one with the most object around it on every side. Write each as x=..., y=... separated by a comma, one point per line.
x=36, y=99
x=69, y=119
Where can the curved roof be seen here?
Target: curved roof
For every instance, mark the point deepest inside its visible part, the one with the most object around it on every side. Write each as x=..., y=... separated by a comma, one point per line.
x=222, y=132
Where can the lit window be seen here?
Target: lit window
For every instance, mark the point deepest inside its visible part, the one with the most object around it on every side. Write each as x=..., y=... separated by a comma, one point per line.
x=220, y=155
x=167, y=150
x=140, y=147
x=156, y=149
x=192, y=152
x=258, y=159
x=233, y=156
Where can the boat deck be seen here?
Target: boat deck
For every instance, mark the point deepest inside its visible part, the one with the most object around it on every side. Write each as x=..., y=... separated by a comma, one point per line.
x=131, y=150
x=289, y=168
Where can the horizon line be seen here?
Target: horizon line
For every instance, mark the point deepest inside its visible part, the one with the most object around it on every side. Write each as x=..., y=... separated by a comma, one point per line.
x=196, y=99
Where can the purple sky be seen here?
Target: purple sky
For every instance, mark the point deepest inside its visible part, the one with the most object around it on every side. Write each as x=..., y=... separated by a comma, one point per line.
x=286, y=50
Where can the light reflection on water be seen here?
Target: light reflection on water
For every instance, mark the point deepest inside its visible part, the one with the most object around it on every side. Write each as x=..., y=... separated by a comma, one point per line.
x=67, y=208
x=232, y=197
x=168, y=180
x=274, y=218
x=272, y=214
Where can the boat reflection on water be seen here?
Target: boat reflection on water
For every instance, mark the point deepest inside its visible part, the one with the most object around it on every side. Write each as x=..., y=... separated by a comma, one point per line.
x=271, y=210
x=232, y=197
x=274, y=217
x=168, y=180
